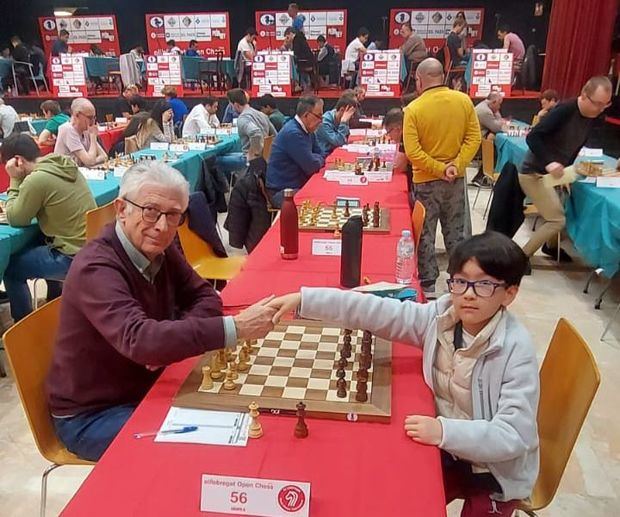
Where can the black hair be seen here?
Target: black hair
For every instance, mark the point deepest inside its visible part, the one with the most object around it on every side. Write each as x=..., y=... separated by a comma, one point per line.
x=393, y=117
x=306, y=104
x=268, y=100
x=497, y=255
x=192, y=42
x=251, y=31
x=63, y=32
x=209, y=101
x=21, y=144
x=52, y=106
x=363, y=31
x=171, y=42
x=288, y=30
x=137, y=100
x=345, y=101
x=157, y=112
x=321, y=38
x=237, y=95
x=504, y=27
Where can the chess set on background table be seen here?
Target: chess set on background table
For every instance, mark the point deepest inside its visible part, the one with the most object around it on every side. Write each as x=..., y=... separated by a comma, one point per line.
x=337, y=374
x=324, y=218
x=3, y=218
x=595, y=169
x=362, y=165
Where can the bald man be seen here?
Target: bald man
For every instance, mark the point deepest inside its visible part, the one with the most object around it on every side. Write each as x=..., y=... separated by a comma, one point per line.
x=491, y=122
x=441, y=135
x=78, y=137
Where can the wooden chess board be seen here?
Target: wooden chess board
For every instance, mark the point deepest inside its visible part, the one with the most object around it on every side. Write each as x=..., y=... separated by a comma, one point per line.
x=297, y=361
x=325, y=220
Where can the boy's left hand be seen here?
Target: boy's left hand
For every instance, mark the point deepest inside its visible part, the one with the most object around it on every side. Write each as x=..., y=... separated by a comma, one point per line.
x=424, y=429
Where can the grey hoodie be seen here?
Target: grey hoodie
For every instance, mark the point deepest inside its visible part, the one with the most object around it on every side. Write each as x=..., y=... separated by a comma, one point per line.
x=503, y=435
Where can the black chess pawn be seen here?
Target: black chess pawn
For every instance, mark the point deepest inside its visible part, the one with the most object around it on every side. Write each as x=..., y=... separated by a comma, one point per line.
x=362, y=391
x=341, y=388
x=301, y=429
x=346, y=209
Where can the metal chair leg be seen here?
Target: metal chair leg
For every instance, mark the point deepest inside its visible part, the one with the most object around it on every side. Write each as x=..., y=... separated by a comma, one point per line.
x=486, y=208
x=44, y=487
x=599, y=300
x=594, y=273
x=476, y=198
x=611, y=320
x=2, y=370
x=36, y=86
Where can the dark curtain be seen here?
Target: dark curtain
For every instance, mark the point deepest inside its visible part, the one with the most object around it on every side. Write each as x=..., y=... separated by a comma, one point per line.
x=578, y=43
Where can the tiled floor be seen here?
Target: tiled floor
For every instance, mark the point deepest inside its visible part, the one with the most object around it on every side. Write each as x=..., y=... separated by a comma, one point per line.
x=591, y=483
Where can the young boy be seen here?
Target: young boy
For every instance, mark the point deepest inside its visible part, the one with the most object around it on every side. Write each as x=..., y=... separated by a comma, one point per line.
x=479, y=361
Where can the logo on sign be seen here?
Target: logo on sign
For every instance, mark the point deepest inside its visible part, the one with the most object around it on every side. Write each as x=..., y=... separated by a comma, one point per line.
x=363, y=180
x=291, y=498
x=368, y=57
x=268, y=19
x=157, y=22
x=402, y=17
x=49, y=25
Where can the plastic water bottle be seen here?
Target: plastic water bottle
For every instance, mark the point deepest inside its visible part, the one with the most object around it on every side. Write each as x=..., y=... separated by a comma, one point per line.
x=404, y=258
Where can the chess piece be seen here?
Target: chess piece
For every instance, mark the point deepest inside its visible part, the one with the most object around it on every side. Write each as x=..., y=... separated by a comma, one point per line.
x=384, y=166
x=229, y=384
x=221, y=358
x=216, y=370
x=337, y=233
x=346, y=208
x=207, y=382
x=375, y=215
x=346, y=345
x=301, y=429
x=252, y=348
x=365, y=219
x=362, y=390
x=341, y=388
x=358, y=169
x=255, y=430
x=370, y=164
x=243, y=365
x=233, y=368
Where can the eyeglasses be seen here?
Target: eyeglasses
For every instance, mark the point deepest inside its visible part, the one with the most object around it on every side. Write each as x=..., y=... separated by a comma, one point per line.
x=600, y=105
x=89, y=117
x=152, y=215
x=318, y=117
x=482, y=288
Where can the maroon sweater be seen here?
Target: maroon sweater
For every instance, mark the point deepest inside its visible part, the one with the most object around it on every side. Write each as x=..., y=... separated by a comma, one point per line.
x=113, y=323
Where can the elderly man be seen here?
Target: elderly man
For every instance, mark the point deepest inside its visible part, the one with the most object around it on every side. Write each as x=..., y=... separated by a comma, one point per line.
x=441, y=135
x=52, y=190
x=413, y=48
x=145, y=308
x=491, y=122
x=334, y=131
x=78, y=137
x=295, y=153
x=554, y=144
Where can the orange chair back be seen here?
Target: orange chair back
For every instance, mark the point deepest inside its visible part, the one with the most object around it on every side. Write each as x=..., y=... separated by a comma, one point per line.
x=417, y=220
x=569, y=379
x=268, y=142
x=194, y=247
x=488, y=157
x=97, y=218
x=29, y=345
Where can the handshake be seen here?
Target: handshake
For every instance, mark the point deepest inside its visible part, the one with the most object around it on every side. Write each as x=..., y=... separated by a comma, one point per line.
x=259, y=319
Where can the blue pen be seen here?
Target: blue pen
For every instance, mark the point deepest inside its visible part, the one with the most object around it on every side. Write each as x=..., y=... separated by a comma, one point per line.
x=182, y=430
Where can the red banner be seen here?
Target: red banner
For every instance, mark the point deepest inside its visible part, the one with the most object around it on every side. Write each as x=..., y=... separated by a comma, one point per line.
x=491, y=71
x=68, y=76
x=210, y=30
x=163, y=70
x=331, y=23
x=271, y=73
x=380, y=73
x=434, y=25
x=84, y=31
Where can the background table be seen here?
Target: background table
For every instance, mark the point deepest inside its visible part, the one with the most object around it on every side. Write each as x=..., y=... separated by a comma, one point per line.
x=355, y=468
x=191, y=67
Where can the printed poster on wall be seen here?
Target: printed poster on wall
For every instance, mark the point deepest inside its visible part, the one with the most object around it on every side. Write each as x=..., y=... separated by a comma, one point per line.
x=68, y=76
x=332, y=24
x=210, y=30
x=84, y=31
x=163, y=70
x=434, y=25
x=380, y=73
x=491, y=71
x=271, y=73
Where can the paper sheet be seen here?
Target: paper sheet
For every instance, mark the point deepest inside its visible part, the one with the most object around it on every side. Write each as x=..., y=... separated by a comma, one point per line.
x=214, y=427
x=608, y=182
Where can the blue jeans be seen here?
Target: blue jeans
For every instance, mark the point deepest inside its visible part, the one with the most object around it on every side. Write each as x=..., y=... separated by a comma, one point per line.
x=231, y=162
x=88, y=435
x=38, y=262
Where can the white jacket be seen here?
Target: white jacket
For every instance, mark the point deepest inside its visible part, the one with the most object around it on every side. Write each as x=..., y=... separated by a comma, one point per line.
x=503, y=435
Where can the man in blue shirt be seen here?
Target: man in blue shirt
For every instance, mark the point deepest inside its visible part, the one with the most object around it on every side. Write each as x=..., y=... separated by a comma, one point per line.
x=334, y=130
x=295, y=153
x=61, y=45
x=179, y=109
x=192, y=50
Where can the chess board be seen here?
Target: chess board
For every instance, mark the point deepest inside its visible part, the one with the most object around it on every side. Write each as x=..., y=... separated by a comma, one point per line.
x=297, y=362
x=325, y=221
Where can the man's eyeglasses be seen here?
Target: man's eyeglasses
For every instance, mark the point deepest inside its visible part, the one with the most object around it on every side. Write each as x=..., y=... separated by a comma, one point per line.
x=482, y=288
x=152, y=215
x=89, y=117
x=318, y=117
x=600, y=105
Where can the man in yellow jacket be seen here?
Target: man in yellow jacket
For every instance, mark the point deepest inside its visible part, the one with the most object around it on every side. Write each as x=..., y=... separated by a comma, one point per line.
x=441, y=134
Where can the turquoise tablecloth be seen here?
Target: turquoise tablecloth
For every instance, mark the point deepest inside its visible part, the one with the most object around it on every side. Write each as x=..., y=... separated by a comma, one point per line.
x=97, y=66
x=39, y=125
x=510, y=148
x=191, y=67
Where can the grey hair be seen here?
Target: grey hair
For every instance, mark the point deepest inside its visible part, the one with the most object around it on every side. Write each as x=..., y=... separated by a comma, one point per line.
x=79, y=104
x=493, y=96
x=307, y=103
x=153, y=173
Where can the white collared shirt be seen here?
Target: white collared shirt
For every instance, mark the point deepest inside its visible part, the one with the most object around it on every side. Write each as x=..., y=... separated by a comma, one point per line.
x=353, y=50
x=301, y=123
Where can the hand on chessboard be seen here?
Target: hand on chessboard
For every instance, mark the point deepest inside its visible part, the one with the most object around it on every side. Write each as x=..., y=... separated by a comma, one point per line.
x=284, y=304
x=424, y=429
x=256, y=321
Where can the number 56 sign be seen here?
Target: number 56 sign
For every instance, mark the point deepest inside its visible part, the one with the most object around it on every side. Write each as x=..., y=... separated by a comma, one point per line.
x=252, y=496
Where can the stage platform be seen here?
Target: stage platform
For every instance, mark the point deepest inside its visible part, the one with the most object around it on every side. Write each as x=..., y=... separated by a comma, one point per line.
x=520, y=105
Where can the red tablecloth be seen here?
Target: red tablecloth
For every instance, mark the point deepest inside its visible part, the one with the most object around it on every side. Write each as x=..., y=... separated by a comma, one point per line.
x=4, y=177
x=110, y=137
x=361, y=468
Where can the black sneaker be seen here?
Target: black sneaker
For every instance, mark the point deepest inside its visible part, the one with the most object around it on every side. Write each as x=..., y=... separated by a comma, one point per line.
x=553, y=253
x=481, y=182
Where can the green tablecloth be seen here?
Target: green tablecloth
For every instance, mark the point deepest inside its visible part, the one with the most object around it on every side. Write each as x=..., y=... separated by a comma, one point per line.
x=39, y=125
x=592, y=213
x=191, y=67
x=98, y=66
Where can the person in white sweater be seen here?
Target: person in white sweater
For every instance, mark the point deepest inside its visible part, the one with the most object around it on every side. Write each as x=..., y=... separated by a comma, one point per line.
x=478, y=360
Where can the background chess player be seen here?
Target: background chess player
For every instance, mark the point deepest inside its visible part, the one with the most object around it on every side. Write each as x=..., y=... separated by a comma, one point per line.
x=132, y=301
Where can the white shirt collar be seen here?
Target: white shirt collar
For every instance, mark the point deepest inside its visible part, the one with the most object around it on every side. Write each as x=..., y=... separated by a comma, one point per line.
x=303, y=126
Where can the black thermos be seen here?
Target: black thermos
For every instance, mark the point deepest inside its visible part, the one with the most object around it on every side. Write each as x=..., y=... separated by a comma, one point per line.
x=351, y=256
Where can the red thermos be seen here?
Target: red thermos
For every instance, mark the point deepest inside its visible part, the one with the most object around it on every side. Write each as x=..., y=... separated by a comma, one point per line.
x=289, y=229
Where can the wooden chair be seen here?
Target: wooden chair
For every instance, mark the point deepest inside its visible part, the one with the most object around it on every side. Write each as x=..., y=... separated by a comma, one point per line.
x=210, y=72
x=448, y=68
x=114, y=77
x=203, y=259
x=97, y=218
x=417, y=220
x=569, y=378
x=267, y=143
x=29, y=344
x=488, y=169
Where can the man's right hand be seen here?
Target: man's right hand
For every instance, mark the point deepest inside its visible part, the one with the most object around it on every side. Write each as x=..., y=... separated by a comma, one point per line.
x=256, y=321
x=93, y=131
x=555, y=169
x=349, y=111
x=450, y=173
